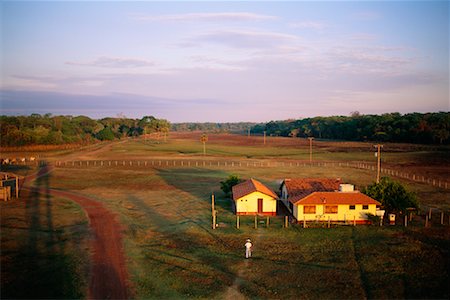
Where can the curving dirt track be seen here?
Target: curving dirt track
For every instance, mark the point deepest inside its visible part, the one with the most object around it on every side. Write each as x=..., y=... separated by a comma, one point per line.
x=109, y=276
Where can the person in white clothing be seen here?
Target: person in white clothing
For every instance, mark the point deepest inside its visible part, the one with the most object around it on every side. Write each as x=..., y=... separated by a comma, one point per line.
x=248, y=249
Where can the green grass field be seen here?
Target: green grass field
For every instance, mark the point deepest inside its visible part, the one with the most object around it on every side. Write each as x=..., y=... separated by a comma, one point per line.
x=173, y=253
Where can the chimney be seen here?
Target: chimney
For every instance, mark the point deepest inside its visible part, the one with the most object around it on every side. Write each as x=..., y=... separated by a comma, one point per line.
x=346, y=187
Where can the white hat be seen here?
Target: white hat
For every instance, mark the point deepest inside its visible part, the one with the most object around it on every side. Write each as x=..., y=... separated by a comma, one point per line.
x=248, y=240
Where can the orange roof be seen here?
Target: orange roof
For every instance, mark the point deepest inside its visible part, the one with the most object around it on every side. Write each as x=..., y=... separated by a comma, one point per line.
x=250, y=186
x=299, y=188
x=336, y=198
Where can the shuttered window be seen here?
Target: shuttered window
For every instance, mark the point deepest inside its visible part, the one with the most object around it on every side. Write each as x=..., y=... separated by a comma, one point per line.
x=309, y=209
x=331, y=209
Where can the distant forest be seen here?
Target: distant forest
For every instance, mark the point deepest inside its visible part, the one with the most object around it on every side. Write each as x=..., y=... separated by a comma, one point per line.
x=36, y=129
x=46, y=129
x=240, y=127
x=426, y=128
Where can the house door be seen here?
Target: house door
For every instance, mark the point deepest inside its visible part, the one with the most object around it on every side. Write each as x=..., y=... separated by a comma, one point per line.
x=260, y=205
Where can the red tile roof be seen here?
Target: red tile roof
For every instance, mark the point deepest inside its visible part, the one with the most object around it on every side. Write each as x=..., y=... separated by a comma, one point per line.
x=299, y=188
x=250, y=186
x=336, y=198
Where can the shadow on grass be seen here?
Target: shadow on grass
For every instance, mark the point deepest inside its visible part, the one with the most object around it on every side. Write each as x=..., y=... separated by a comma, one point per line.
x=39, y=268
x=200, y=183
x=193, y=259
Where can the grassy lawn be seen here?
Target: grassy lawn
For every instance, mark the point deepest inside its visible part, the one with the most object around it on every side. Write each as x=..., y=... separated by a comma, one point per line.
x=44, y=250
x=173, y=253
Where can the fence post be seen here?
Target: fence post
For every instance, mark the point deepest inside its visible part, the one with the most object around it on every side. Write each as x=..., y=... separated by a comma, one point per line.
x=267, y=222
x=286, y=221
x=442, y=218
x=426, y=221
x=17, y=187
x=406, y=220
x=237, y=221
x=429, y=214
x=256, y=221
x=329, y=222
x=304, y=222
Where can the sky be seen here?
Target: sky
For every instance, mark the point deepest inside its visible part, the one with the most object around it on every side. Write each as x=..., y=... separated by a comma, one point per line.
x=224, y=61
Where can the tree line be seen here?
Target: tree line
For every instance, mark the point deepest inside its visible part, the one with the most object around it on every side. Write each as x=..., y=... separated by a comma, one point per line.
x=46, y=129
x=239, y=127
x=421, y=128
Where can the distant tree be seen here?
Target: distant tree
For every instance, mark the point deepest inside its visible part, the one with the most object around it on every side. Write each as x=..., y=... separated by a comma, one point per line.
x=392, y=195
x=105, y=134
x=228, y=184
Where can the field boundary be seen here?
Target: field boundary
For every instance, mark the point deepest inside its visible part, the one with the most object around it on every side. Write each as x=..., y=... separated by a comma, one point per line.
x=190, y=163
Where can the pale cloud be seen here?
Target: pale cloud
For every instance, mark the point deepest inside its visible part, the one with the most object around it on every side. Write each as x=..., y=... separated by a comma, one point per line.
x=356, y=61
x=205, y=17
x=217, y=63
x=114, y=62
x=309, y=25
x=244, y=38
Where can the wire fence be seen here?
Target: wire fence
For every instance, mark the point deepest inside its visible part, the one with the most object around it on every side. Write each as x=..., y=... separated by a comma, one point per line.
x=171, y=163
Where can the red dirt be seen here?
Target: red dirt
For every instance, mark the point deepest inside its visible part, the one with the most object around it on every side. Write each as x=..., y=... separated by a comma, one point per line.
x=109, y=276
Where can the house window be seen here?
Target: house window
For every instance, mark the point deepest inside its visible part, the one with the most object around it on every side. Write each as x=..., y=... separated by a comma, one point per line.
x=351, y=207
x=309, y=209
x=331, y=209
x=365, y=206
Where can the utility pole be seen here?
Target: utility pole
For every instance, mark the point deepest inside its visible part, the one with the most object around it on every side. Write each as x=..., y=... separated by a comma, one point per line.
x=204, y=139
x=310, y=149
x=378, y=155
x=213, y=212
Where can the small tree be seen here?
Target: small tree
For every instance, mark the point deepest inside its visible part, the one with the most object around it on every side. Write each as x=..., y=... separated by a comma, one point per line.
x=105, y=134
x=392, y=195
x=227, y=185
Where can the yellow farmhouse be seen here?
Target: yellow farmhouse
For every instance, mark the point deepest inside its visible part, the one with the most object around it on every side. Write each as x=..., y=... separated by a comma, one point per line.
x=251, y=197
x=325, y=199
x=336, y=207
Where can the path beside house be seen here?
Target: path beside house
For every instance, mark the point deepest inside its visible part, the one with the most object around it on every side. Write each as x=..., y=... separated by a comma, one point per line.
x=109, y=276
x=232, y=292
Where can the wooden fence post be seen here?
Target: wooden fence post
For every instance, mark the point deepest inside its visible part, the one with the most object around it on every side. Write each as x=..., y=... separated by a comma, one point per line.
x=304, y=222
x=329, y=220
x=429, y=214
x=237, y=221
x=426, y=221
x=354, y=220
x=442, y=218
x=256, y=221
x=406, y=221
x=213, y=212
x=267, y=222
x=17, y=186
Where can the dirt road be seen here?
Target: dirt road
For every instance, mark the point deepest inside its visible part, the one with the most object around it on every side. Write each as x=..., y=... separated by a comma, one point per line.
x=109, y=276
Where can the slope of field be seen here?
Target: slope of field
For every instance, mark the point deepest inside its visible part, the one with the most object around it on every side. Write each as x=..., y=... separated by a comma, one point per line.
x=172, y=252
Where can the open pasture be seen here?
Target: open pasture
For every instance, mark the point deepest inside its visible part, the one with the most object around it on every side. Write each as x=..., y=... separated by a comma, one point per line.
x=172, y=252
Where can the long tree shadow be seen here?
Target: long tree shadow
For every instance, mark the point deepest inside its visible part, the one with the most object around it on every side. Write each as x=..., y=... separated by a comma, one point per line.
x=40, y=268
x=189, y=180
x=191, y=257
